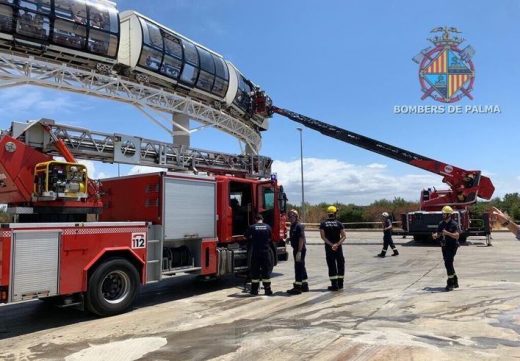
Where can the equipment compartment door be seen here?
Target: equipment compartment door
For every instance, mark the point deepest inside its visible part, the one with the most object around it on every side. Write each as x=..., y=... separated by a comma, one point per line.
x=189, y=209
x=35, y=264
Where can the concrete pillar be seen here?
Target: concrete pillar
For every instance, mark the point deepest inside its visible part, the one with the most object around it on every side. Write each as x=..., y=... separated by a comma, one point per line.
x=180, y=137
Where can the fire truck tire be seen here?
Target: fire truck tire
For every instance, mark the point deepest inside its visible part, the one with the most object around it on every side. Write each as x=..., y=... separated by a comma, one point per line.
x=112, y=287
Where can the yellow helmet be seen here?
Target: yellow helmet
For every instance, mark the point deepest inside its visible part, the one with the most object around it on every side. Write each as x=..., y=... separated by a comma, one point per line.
x=447, y=210
x=331, y=209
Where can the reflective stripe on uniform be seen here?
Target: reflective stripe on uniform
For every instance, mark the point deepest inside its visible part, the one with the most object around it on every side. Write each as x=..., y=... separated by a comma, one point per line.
x=341, y=277
x=266, y=280
x=255, y=281
x=451, y=276
x=298, y=283
x=333, y=277
x=304, y=281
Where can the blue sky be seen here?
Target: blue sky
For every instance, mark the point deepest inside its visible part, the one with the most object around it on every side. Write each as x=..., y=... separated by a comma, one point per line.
x=344, y=62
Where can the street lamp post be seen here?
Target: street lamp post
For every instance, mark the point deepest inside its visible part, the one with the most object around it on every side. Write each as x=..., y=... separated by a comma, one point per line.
x=301, y=169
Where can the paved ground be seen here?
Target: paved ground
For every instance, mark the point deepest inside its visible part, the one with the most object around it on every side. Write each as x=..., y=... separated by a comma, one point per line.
x=391, y=309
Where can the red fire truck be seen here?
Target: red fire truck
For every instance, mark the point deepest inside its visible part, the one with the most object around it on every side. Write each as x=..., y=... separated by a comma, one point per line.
x=92, y=243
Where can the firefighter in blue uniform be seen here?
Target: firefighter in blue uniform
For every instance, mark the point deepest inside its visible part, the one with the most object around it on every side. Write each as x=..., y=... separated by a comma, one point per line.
x=333, y=234
x=387, y=236
x=448, y=234
x=259, y=236
x=297, y=238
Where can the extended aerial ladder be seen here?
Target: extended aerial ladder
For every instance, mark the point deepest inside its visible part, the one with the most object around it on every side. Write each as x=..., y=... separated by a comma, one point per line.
x=35, y=184
x=82, y=143
x=465, y=185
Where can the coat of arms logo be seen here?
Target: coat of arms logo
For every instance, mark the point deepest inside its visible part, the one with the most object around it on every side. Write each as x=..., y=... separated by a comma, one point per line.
x=446, y=73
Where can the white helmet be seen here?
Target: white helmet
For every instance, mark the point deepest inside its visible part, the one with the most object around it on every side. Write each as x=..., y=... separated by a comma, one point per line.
x=385, y=214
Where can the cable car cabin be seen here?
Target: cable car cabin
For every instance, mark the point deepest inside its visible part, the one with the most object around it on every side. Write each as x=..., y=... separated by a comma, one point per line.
x=172, y=60
x=73, y=31
x=150, y=48
x=240, y=98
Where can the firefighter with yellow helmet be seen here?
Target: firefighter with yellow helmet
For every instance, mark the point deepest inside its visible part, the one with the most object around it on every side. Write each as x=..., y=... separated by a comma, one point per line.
x=448, y=234
x=333, y=234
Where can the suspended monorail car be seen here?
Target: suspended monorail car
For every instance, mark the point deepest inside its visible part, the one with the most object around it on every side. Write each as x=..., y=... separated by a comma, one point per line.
x=92, y=32
x=75, y=31
x=171, y=59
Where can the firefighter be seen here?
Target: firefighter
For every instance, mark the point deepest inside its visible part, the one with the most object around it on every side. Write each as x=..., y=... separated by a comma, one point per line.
x=448, y=234
x=387, y=236
x=333, y=234
x=297, y=238
x=259, y=236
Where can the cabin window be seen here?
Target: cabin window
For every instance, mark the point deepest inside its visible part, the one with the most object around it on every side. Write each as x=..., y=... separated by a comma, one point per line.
x=41, y=6
x=190, y=53
x=172, y=46
x=6, y=19
x=206, y=61
x=205, y=81
x=69, y=34
x=151, y=58
x=102, y=43
x=189, y=74
x=103, y=18
x=221, y=69
x=220, y=87
x=171, y=67
x=32, y=25
x=73, y=10
x=152, y=35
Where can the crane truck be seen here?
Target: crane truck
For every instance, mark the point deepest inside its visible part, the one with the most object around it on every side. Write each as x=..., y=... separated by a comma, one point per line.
x=82, y=242
x=465, y=186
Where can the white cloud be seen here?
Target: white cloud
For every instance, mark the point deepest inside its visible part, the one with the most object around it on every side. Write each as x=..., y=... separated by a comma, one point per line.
x=377, y=165
x=20, y=100
x=331, y=180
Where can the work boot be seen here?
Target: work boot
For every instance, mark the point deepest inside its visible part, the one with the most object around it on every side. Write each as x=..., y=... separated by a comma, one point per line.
x=455, y=282
x=396, y=252
x=340, y=283
x=382, y=254
x=333, y=285
x=449, y=285
x=267, y=289
x=296, y=290
x=254, y=288
x=305, y=287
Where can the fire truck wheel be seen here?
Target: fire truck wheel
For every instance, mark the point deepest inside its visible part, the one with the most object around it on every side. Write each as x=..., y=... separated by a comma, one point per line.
x=112, y=287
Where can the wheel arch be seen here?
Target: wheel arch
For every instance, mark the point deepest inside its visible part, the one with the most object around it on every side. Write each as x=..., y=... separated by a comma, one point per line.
x=110, y=253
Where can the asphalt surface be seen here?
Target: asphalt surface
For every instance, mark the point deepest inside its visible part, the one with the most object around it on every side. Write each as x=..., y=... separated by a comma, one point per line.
x=391, y=309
